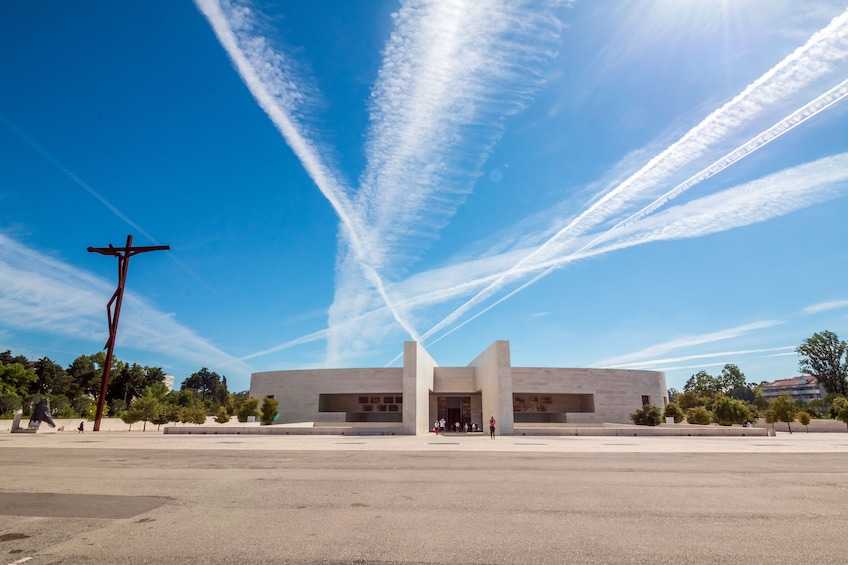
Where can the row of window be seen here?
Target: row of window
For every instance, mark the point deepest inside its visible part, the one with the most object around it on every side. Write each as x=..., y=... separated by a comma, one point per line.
x=376, y=400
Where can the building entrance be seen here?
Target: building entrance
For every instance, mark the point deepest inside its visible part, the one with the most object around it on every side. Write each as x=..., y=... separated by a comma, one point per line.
x=454, y=409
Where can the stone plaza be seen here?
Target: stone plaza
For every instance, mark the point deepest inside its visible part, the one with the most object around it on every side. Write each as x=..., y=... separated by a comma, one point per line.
x=134, y=497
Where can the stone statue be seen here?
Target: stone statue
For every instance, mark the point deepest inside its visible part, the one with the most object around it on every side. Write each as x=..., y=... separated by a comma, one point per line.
x=41, y=413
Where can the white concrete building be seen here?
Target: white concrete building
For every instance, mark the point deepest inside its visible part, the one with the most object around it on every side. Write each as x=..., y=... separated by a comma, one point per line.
x=412, y=398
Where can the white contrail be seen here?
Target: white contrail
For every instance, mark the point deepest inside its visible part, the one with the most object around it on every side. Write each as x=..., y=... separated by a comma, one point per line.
x=451, y=72
x=820, y=104
x=50, y=158
x=47, y=156
x=809, y=62
x=757, y=201
x=267, y=75
x=700, y=356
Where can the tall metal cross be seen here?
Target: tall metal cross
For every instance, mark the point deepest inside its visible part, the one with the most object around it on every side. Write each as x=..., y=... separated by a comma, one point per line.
x=123, y=254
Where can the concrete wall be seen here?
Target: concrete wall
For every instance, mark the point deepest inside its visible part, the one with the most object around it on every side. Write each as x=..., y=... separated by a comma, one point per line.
x=298, y=391
x=418, y=368
x=448, y=380
x=617, y=392
x=493, y=378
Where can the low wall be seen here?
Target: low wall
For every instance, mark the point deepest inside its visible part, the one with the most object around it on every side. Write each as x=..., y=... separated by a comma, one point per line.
x=817, y=426
x=663, y=430
x=357, y=429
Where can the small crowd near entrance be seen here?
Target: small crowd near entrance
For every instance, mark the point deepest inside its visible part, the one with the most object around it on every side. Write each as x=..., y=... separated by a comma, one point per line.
x=440, y=427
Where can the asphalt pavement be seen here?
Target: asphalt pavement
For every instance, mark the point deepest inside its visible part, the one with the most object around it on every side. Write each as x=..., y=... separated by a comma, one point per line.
x=128, y=497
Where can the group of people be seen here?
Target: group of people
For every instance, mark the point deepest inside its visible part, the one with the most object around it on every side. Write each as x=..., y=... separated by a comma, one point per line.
x=439, y=427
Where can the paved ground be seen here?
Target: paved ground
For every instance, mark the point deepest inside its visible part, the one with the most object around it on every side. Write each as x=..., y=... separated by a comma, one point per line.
x=149, y=498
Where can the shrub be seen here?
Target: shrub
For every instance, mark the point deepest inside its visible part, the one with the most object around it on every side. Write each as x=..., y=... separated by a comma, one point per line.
x=222, y=417
x=804, y=420
x=728, y=411
x=699, y=415
x=269, y=410
x=688, y=400
x=248, y=407
x=648, y=415
x=193, y=414
x=672, y=410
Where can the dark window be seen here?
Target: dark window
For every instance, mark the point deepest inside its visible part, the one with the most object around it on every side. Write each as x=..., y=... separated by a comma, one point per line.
x=646, y=400
x=399, y=399
x=388, y=399
x=363, y=400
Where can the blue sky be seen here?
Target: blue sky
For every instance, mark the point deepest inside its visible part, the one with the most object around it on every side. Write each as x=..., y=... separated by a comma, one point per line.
x=655, y=184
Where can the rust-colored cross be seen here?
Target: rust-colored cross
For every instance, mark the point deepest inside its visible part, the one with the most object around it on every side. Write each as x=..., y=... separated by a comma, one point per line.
x=123, y=254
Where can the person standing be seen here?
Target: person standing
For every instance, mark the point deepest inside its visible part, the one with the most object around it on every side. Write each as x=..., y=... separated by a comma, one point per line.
x=492, y=427
x=81, y=428
x=436, y=427
x=442, y=425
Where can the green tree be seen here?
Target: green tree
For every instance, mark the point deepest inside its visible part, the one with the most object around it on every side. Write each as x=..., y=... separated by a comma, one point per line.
x=731, y=378
x=825, y=357
x=147, y=407
x=248, y=407
x=784, y=410
x=840, y=409
x=728, y=411
x=162, y=417
x=672, y=410
x=688, y=399
x=52, y=378
x=193, y=415
x=209, y=386
x=269, y=410
x=699, y=415
x=171, y=413
x=770, y=417
x=9, y=402
x=59, y=403
x=130, y=417
x=648, y=415
x=804, y=420
x=158, y=390
x=86, y=372
x=117, y=406
x=83, y=405
x=703, y=384
x=126, y=384
x=222, y=417
x=18, y=379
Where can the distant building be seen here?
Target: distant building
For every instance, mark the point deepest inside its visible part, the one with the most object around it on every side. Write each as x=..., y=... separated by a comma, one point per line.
x=169, y=382
x=411, y=398
x=804, y=388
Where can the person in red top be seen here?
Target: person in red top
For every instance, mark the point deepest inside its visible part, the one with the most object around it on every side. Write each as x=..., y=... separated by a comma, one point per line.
x=492, y=427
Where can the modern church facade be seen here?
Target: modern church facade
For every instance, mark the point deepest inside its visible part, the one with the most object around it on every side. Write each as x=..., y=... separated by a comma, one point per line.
x=412, y=398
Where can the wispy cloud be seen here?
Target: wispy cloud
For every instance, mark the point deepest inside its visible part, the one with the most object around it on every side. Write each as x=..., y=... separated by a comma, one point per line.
x=685, y=342
x=38, y=292
x=808, y=64
x=651, y=362
x=273, y=81
x=825, y=306
x=757, y=201
x=451, y=72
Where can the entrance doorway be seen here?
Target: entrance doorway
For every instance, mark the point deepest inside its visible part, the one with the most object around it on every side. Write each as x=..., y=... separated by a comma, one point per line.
x=454, y=409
